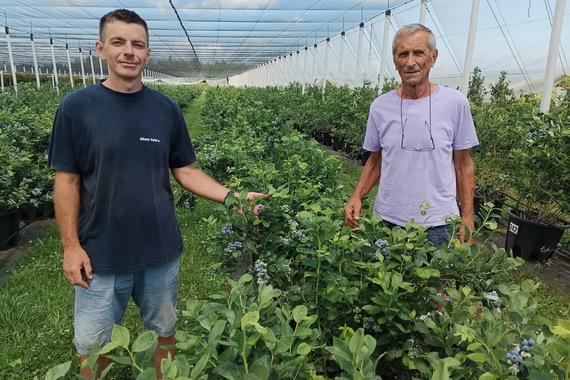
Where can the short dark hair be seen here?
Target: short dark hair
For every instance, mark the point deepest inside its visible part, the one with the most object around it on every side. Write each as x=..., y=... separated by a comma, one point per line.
x=124, y=15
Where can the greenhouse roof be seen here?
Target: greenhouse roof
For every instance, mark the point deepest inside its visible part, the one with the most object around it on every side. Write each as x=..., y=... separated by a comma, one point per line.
x=243, y=33
x=219, y=38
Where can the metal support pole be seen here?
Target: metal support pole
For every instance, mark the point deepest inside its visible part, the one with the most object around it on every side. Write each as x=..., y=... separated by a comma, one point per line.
x=11, y=56
x=298, y=73
x=291, y=69
x=101, y=67
x=325, y=68
x=92, y=67
x=69, y=65
x=384, y=59
x=359, y=56
x=552, y=55
x=423, y=9
x=35, y=61
x=470, y=46
x=82, y=68
x=313, y=68
x=305, y=69
x=341, y=57
x=55, y=78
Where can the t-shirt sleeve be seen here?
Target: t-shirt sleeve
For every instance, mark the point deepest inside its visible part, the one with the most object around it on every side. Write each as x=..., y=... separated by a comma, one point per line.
x=182, y=152
x=465, y=136
x=371, y=138
x=61, y=153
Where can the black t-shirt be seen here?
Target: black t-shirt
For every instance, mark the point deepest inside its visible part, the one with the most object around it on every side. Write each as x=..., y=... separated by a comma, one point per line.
x=123, y=145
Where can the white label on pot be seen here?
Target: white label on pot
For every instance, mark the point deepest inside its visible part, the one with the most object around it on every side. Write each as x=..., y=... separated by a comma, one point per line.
x=513, y=228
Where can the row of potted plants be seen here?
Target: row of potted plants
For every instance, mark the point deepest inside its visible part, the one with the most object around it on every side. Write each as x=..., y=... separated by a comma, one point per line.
x=25, y=180
x=523, y=160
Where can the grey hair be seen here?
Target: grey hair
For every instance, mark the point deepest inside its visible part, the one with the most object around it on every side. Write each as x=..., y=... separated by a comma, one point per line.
x=412, y=28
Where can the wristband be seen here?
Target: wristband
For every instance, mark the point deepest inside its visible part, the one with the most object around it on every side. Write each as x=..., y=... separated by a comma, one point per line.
x=231, y=192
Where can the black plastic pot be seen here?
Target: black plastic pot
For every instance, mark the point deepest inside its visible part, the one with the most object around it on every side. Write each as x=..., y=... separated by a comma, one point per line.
x=318, y=135
x=327, y=139
x=9, y=228
x=531, y=240
x=339, y=144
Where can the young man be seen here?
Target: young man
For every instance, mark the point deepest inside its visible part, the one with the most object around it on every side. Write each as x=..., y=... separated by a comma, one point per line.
x=113, y=146
x=419, y=137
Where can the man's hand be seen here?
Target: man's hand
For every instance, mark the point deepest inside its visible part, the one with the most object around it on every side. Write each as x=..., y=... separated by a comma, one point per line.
x=250, y=197
x=352, y=212
x=466, y=230
x=77, y=267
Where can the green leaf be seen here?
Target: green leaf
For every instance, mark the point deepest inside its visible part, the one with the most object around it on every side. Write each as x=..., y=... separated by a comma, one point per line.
x=121, y=336
x=479, y=357
x=299, y=312
x=474, y=346
x=442, y=368
x=488, y=376
x=371, y=309
x=249, y=319
x=261, y=368
x=145, y=341
x=562, y=329
x=216, y=331
x=228, y=370
x=200, y=365
x=148, y=374
x=303, y=349
x=124, y=360
x=108, y=348
x=58, y=371
x=341, y=355
x=426, y=273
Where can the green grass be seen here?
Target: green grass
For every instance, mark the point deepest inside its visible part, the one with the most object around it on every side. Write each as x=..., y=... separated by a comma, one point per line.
x=36, y=303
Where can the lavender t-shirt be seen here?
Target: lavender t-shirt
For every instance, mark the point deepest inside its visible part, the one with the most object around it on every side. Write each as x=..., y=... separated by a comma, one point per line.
x=412, y=179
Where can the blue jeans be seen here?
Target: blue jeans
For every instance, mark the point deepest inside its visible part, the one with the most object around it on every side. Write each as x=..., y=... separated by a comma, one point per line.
x=103, y=304
x=439, y=235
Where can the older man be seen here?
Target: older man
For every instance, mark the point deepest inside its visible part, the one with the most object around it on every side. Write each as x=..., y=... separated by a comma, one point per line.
x=419, y=136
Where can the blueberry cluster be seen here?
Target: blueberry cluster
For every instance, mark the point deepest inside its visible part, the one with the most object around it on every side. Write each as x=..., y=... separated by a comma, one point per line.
x=232, y=247
x=260, y=271
x=493, y=299
x=299, y=235
x=369, y=323
x=384, y=248
x=534, y=134
x=228, y=229
x=515, y=356
x=292, y=222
